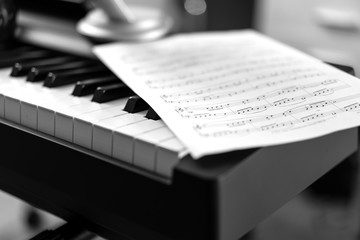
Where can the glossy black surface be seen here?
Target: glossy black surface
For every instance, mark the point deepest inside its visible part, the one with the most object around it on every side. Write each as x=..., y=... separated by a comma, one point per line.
x=111, y=92
x=151, y=114
x=26, y=55
x=89, y=86
x=61, y=78
x=40, y=73
x=136, y=104
x=22, y=68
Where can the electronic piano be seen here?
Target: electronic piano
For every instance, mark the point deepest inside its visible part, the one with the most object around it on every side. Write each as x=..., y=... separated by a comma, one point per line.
x=76, y=142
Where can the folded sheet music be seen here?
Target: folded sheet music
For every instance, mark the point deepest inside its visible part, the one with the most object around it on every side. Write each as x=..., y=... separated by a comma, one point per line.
x=224, y=91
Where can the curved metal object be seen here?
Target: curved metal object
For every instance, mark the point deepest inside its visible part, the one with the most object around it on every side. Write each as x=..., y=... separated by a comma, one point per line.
x=150, y=24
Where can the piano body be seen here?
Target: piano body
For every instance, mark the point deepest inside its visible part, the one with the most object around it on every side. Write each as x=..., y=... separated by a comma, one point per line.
x=219, y=197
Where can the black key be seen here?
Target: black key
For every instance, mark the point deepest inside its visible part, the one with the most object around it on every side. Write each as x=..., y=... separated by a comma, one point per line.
x=111, y=92
x=20, y=69
x=344, y=68
x=27, y=55
x=56, y=79
x=87, y=87
x=15, y=50
x=135, y=104
x=151, y=114
x=37, y=74
x=9, y=45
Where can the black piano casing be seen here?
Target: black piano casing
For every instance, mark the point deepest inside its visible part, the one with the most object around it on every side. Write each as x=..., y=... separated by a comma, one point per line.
x=219, y=197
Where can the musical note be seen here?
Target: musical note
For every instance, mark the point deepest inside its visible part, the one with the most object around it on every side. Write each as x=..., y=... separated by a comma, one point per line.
x=314, y=106
x=236, y=124
x=274, y=126
x=351, y=107
x=240, y=90
x=291, y=89
x=289, y=101
x=254, y=109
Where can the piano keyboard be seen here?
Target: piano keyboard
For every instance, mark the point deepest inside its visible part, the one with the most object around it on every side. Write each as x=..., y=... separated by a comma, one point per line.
x=80, y=101
x=93, y=122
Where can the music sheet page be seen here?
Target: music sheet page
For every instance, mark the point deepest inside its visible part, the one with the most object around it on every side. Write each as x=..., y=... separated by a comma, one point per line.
x=224, y=91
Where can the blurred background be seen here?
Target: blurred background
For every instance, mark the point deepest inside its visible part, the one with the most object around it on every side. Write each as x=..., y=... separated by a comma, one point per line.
x=326, y=29
x=329, y=30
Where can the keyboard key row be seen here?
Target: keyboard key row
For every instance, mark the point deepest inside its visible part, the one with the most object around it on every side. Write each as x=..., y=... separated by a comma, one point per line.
x=80, y=101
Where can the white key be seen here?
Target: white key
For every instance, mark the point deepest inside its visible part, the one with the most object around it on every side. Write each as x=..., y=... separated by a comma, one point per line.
x=123, y=138
x=145, y=147
x=64, y=119
x=2, y=106
x=5, y=84
x=83, y=124
x=106, y=128
x=15, y=92
x=28, y=98
x=4, y=74
x=44, y=103
x=47, y=111
x=29, y=116
x=168, y=154
x=103, y=130
x=8, y=84
x=12, y=109
x=19, y=94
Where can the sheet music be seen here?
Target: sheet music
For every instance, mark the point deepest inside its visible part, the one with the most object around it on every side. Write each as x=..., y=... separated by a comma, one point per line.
x=224, y=91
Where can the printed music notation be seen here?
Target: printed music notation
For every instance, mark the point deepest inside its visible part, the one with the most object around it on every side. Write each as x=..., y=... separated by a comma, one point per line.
x=232, y=90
